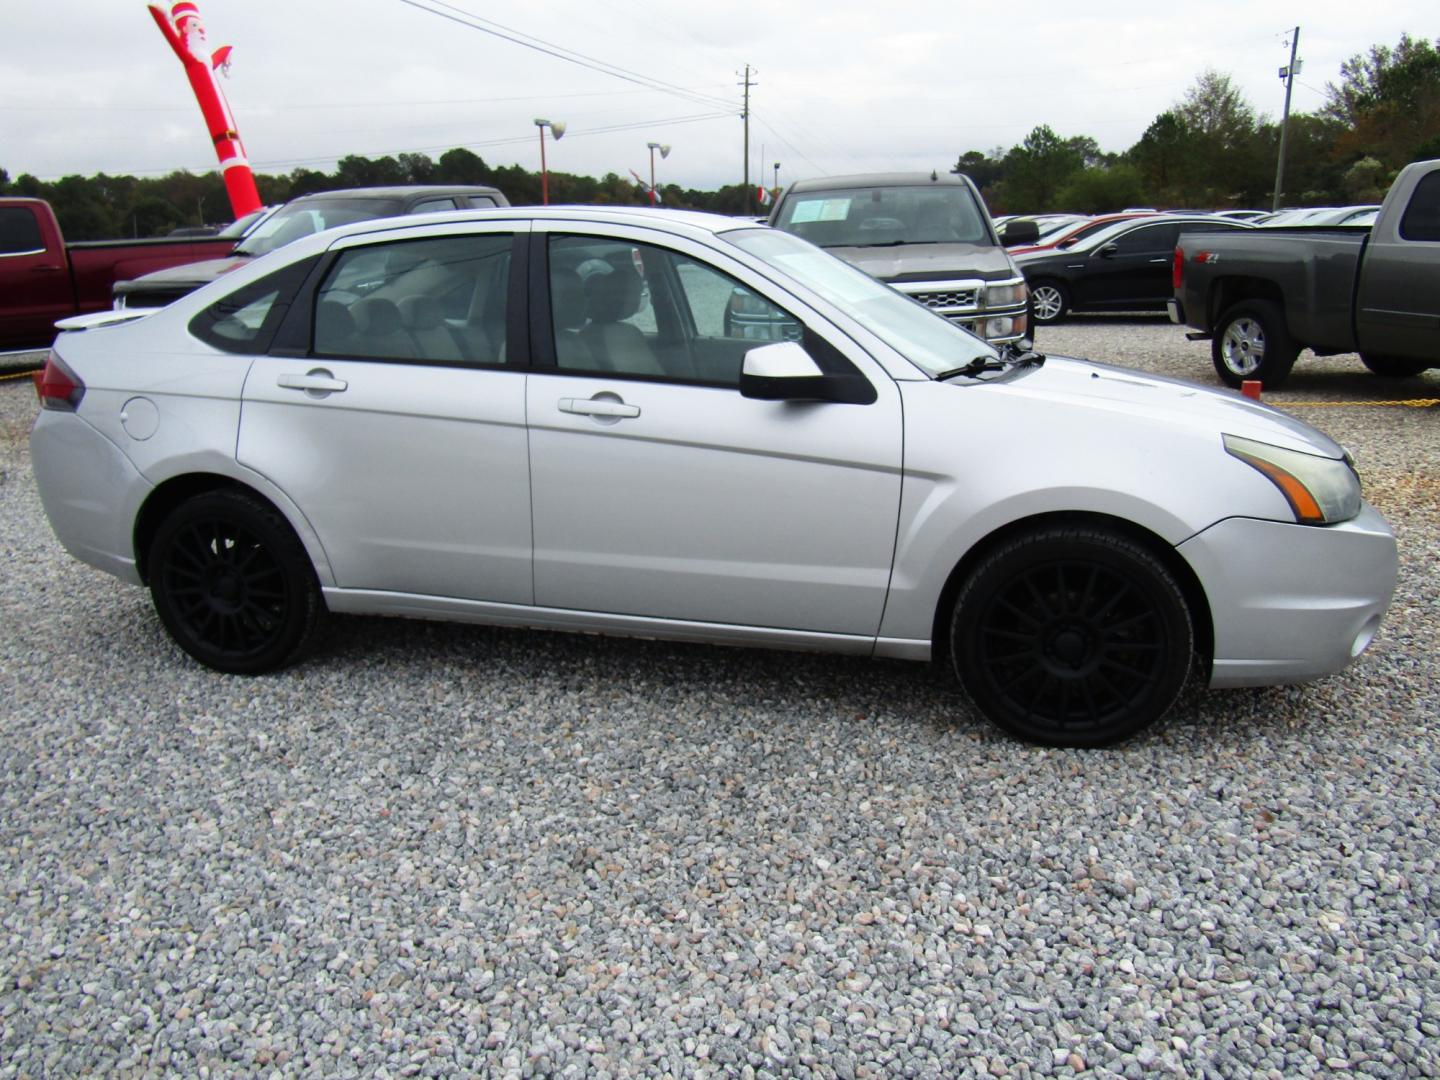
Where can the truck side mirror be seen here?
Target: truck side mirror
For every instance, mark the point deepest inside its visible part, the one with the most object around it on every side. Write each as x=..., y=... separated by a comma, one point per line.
x=1019, y=231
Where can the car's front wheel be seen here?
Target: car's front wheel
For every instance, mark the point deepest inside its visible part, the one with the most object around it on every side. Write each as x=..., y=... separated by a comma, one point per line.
x=1049, y=302
x=232, y=583
x=1394, y=367
x=1072, y=636
x=1252, y=342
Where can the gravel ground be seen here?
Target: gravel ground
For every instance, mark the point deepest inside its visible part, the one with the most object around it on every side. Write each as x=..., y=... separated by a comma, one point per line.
x=436, y=850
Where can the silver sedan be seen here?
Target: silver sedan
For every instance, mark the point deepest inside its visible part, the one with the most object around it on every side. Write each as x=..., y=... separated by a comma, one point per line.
x=555, y=418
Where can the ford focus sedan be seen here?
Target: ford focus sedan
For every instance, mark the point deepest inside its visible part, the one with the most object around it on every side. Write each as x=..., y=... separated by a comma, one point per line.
x=535, y=417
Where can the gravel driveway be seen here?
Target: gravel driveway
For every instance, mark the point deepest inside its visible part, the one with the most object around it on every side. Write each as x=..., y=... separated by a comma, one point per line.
x=436, y=850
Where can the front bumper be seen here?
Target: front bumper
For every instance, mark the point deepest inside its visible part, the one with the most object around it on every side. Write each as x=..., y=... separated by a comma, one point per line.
x=1291, y=603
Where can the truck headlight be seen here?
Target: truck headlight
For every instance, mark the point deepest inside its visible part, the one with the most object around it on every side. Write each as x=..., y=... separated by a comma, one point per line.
x=1000, y=295
x=1320, y=490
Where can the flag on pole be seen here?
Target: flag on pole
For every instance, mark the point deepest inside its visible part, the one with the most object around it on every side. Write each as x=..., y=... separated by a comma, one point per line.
x=764, y=195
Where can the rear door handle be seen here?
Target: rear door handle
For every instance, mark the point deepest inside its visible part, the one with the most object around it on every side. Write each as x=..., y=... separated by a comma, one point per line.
x=318, y=382
x=46, y=268
x=598, y=407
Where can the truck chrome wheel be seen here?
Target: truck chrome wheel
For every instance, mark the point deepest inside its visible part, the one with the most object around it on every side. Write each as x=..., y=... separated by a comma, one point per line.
x=1243, y=346
x=1252, y=341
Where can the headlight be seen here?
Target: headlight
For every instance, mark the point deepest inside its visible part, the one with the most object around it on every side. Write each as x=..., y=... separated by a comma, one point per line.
x=1320, y=490
x=1000, y=295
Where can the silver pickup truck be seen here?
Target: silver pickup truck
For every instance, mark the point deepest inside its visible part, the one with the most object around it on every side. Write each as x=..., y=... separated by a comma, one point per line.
x=1262, y=295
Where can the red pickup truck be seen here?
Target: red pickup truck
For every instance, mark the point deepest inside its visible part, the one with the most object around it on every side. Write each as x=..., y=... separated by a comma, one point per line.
x=42, y=278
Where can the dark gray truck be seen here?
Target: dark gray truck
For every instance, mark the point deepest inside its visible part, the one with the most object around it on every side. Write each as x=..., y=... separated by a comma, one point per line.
x=1262, y=295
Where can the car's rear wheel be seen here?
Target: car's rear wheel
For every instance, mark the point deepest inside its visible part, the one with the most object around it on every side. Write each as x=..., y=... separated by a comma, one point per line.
x=1072, y=636
x=1394, y=367
x=1252, y=342
x=233, y=584
x=1049, y=302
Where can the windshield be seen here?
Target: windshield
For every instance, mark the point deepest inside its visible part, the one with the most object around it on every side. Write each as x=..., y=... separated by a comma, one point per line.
x=930, y=341
x=884, y=216
x=299, y=219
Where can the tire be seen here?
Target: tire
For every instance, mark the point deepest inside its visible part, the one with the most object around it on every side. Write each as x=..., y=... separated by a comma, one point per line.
x=233, y=585
x=1049, y=302
x=1252, y=342
x=1071, y=636
x=1394, y=367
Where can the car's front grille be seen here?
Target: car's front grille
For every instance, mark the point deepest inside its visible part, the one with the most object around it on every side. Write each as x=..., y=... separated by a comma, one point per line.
x=959, y=298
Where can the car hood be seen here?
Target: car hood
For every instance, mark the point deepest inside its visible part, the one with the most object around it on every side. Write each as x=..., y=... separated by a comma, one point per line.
x=1173, y=403
x=196, y=273
x=928, y=262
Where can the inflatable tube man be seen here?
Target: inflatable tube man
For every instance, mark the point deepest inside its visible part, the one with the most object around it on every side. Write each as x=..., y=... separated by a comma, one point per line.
x=185, y=33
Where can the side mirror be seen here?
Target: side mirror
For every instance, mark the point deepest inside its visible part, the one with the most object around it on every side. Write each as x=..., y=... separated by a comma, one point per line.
x=1019, y=231
x=784, y=371
x=1108, y=250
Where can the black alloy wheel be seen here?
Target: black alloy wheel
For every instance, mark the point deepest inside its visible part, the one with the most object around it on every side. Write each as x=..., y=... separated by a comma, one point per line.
x=1072, y=636
x=233, y=584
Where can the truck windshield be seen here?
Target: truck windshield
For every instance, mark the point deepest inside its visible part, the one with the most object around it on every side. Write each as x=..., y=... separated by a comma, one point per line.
x=929, y=341
x=885, y=216
x=290, y=223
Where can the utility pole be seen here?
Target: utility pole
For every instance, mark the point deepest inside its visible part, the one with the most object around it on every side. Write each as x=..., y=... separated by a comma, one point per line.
x=745, y=116
x=1288, y=74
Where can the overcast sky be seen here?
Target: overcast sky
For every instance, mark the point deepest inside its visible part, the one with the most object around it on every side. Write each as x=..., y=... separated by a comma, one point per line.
x=842, y=86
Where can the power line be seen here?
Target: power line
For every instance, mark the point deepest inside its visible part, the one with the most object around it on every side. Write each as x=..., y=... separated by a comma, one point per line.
x=559, y=52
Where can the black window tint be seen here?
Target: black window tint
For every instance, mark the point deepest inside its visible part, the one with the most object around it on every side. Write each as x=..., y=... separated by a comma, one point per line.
x=438, y=301
x=19, y=231
x=429, y=206
x=246, y=320
x=1422, y=216
x=1150, y=238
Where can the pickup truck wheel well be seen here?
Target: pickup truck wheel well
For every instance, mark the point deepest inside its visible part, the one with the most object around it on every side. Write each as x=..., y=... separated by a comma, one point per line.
x=1202, y=626
x=171, y=494
x=1227, y=292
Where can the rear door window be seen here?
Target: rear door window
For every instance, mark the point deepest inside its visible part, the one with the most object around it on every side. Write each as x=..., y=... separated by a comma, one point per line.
x=1422, y=216
x=19, y=231
x=440, y=300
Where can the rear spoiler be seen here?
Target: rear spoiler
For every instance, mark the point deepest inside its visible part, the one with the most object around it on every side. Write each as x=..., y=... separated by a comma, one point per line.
x=97, y=319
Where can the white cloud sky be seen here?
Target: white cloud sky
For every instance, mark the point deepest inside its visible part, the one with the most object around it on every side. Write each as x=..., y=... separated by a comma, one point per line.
x=842, y=86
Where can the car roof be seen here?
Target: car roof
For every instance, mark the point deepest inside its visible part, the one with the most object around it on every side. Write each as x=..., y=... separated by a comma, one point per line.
x=400, y=191
x=878, y=179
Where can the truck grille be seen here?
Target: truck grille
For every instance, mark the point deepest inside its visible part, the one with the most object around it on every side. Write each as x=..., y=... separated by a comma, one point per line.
x=960, y=298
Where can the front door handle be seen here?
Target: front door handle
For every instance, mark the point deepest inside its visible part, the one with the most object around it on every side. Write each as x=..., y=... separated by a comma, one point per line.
x=615, y=410
x=318, y=382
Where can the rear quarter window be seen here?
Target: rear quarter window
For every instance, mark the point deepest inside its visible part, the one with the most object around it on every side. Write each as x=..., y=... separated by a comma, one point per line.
x=246, y=319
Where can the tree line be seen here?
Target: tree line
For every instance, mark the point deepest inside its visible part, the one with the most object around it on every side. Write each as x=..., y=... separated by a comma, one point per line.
x=1208, y=150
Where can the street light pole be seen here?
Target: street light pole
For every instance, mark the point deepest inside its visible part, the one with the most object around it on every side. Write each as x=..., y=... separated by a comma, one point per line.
x=777, y=180
x=664, y=153
x=557, y=128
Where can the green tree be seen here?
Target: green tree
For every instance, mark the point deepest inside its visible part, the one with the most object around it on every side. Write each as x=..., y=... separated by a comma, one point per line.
x=1037, y=169
x=1389, y=100
x=1101, y=190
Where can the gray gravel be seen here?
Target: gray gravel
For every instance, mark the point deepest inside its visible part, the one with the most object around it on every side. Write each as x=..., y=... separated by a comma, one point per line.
x=436, y=850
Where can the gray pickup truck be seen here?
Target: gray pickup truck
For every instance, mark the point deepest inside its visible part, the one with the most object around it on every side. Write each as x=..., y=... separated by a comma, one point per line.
x=1262, y=295
x=925, y=234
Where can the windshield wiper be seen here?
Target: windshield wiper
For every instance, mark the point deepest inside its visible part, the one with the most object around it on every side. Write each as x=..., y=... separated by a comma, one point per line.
x=973, y=368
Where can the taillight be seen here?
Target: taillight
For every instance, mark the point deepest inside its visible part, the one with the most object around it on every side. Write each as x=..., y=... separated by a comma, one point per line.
x=58, y=386
x=1177, y=269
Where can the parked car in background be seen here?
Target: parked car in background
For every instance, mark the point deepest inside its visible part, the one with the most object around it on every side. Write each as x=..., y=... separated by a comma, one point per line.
x=43, y=278
x=1068, y=236
x=1262, y=297
x=434, y=420
x=1125, y=267
x=1243, y=215
x=927, y=234
x=301, y=217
